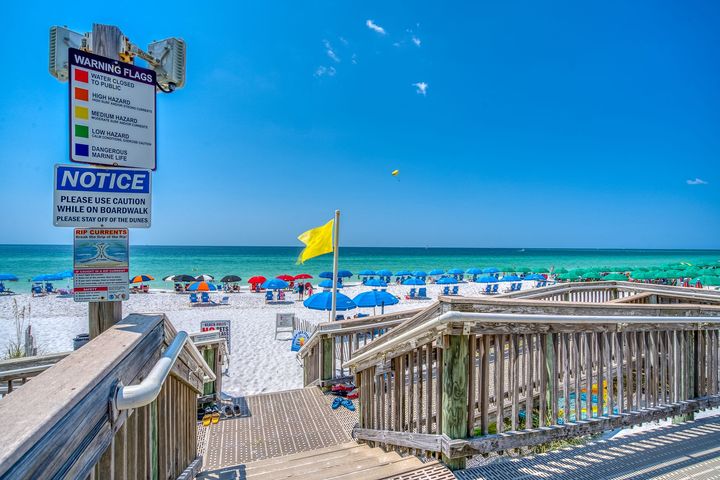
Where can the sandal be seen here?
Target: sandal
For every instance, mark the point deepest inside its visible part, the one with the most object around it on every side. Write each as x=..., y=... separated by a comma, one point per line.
x=348, y=404
x=337, y=402
x=206, y=419
x=236, y=410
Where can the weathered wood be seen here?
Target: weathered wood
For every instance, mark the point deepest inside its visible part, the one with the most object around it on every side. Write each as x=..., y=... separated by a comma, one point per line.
x=327, y=357
x=472, y=370
x=102, y=316
x=455, y=392
x=419, y=441
x=484, y=384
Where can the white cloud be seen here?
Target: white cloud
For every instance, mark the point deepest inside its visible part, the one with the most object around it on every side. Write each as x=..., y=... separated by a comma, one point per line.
x=697, y=181
x=375, y=27
x=353, y=59
x=416, y=40
x=421, y=88
x=323, y=71
x=330, y=52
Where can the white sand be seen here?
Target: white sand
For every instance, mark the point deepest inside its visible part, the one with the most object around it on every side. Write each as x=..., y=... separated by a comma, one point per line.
x=258, y=362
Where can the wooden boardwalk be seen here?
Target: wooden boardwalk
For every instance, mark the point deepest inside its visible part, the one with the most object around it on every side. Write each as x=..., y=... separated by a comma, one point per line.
x=688, y=450
x=276, y=424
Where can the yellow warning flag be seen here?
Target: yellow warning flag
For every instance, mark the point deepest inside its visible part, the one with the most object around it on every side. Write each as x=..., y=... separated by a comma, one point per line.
x=318, y=241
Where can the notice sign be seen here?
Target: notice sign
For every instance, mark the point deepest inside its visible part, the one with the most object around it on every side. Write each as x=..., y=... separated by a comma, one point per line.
x=223, y=326
x=97, y=196
x=101, y=260
x=112, y=112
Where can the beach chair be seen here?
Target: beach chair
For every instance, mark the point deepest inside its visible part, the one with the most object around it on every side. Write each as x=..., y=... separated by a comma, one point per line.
x=339, y=317
x=269, y=296
x=2, y=288
x=411, y=294
x=49, y=288
x=455, y=290
x=145, y=288
x=446, y=291
x=193, y=298
x=224, y=301
x=363, y=315
x=422, y=293
x=488, y=289
x=495, y=288
x=205, y=297
x=281, y=295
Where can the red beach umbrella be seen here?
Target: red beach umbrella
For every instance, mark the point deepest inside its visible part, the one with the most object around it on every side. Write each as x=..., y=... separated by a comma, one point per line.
x=257, y=279
x=286, y=277
x=302, y=276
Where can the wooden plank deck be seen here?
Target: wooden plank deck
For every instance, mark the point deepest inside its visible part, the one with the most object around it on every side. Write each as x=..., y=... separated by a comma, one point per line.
x=276, y=424
x=688, y=450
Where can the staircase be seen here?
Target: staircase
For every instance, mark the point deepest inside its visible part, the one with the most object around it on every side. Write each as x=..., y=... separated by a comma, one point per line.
x=347, y=461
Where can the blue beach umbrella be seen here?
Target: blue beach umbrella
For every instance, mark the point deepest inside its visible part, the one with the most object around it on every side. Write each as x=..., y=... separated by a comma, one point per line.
x=474, y=271
x=413, y=281
x=375, y=298
x=326, y=275
x=534, y=276
x=404, y=273
x=366, y=273
x=47, y=277
x=456, y=271
x=274, y=284
x=447, y=281
x=487, y=279
x=436, y=271
x=420, y=273
x=510, y=278
x=323, y=301
x=341, y=274
x=491, y=270
x=65, y=274
x=384, y=273
x=8, y=277
x=327, y=283
x=376, y=282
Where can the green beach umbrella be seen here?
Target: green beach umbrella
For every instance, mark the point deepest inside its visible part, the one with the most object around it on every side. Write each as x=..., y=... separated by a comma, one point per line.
x=523, y=270
x=615, y=276
x=560, y=270
x=707, y=281
x=569, y=276
x=640, y=275
x=577, y=271
x=620, y=269
x=592, y=276
x=508, y=269
x=674, y=274
x=541, y=270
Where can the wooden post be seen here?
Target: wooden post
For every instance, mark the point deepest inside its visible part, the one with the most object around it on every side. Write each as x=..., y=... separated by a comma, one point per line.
x=455, y=392
x=209, y=355
x=326, y=345
x=103, y=315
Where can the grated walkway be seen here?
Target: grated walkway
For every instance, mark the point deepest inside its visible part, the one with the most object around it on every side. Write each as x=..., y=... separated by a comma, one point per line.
x=274, y=425
x=688, y=450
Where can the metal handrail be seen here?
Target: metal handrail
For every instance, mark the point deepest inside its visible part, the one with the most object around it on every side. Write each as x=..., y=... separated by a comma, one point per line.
x=135, y=396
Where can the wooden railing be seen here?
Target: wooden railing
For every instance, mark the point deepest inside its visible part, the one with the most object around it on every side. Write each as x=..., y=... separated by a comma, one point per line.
x=63, y=423
x=332, y=343
x=462, y=384
x=17, y=371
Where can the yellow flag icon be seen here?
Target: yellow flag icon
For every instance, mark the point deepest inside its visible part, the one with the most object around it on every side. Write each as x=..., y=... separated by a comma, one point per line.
x=318, y=241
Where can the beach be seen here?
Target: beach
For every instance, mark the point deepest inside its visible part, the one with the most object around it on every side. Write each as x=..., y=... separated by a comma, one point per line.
x=258, y=363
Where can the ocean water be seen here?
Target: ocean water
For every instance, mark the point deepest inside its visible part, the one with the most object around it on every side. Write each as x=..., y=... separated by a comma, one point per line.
x=26, y=261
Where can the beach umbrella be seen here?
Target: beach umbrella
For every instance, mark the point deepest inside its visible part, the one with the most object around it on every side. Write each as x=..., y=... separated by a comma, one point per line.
x=46, y=277
x=560, y=270
x=578, y=272
x=68, y=274
x=403, y=273
x=534, y=276
x=375, y=298
x=456, y=271
x=707, y=280
x=179, y=278
x=376, y=282
x=384, y=273
x=286, y=277
x=201, y=287
x=327, y=283
x=257, y=279
x=591, y=276
x=366, y=273
x=487, y=279
x=541, y=270
x=323, y=301
x=474, y=271
x=615, y=276
x=302, y=276
x=420, y=273
x=413, y=281
x=639, y=275
x=274, y=284
x=341, y=274
x=447, y=281
x=141, y=278
x=568, y=276
x=491, y=270
x=8, y=277
x=508, y=269
x=326, y=275
x=436, y=271
x=230, y=279
x=204, y=278
x=523, y=270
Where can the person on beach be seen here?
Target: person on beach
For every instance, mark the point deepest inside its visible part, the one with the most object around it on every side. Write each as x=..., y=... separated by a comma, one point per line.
x=301, y=288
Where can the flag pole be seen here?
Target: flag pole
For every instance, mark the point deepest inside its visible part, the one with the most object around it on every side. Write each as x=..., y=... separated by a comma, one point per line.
x=336, y=242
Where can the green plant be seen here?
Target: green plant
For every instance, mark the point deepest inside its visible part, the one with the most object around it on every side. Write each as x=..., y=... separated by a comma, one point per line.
x=16, y=347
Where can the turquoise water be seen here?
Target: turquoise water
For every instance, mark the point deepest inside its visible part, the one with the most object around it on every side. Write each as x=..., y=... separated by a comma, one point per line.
x=26, y=261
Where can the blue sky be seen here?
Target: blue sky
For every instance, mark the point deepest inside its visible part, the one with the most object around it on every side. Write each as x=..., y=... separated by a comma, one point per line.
x=542, y=124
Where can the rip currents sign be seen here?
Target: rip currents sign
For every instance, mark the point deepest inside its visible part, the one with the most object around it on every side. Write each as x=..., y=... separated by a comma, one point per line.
x=87, y=196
